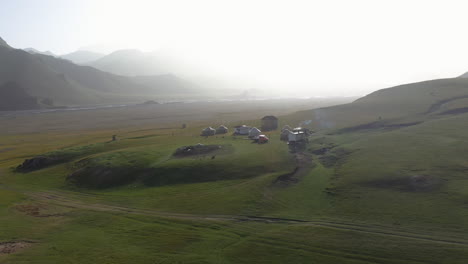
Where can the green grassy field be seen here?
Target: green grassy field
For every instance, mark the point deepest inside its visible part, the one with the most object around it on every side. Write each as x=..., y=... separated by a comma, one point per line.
x=365, y=194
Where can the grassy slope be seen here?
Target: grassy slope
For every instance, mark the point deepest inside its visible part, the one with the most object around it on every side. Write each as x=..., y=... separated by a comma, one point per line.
x=367, y=185
x=375, y=177
x=405, y=101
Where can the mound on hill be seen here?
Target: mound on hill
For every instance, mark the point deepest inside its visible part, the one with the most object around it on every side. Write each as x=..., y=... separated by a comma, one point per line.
x=198, y=149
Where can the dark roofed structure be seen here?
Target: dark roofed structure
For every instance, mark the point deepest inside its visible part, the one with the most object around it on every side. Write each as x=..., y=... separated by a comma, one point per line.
x=269, y=118
x=269, y=123
x=221, y=129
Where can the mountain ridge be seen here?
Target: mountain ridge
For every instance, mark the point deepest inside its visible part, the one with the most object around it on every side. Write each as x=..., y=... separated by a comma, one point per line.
x=82, y=56
x=3, y=43
x=35, y=51
x=64, y=83
x=131, y=62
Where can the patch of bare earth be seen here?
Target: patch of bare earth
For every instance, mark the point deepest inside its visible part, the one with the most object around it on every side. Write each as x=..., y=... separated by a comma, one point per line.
x=413, y=183
x=36, y=210
x=10, y=247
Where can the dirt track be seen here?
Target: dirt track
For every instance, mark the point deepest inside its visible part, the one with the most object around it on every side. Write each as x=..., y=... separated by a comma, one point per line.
x=62, y=200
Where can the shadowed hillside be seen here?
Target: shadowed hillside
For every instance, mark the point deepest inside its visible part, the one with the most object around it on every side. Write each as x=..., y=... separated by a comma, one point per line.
x=65, y=83
x=3, y=43
x=13, y=97
x=35, y=51
x=131, y=63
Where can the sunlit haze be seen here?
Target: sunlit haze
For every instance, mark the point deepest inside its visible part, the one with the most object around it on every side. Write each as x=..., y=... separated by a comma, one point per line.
x=322, y=48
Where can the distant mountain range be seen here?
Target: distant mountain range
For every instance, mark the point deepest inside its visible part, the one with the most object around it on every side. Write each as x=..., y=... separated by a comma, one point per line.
x=33, y=79
x=35, y=51
x=54, y=81
x=132, y=63
x=82, y=56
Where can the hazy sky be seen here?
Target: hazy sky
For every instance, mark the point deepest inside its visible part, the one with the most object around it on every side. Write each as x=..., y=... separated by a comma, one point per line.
x=323, y=47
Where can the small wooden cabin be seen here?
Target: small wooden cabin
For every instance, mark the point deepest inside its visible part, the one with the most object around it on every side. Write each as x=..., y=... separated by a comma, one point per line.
x=269, y=123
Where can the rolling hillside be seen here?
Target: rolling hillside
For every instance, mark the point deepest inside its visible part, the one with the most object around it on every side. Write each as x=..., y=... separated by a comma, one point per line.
x=382, y=180
x=405, y=102
x=397, y=154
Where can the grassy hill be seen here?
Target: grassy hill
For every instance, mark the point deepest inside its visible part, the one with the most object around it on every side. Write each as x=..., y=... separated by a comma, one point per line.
x=397, y=154
x=405, y=102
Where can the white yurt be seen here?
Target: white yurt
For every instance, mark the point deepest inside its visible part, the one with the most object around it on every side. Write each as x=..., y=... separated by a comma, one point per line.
x=209, y=131
x=221, y=129
x=284, y=134
x=254, y=132
x=242, y=130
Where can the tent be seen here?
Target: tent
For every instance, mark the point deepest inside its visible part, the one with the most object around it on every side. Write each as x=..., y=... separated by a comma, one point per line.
x=242, y=130
x=286, y=127
x=209, y=131
x=254, y=132
x=284, y=134
x=221, y=130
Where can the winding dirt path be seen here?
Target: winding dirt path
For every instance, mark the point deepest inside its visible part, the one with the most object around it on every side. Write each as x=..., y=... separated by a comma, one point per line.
x=439, y=105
